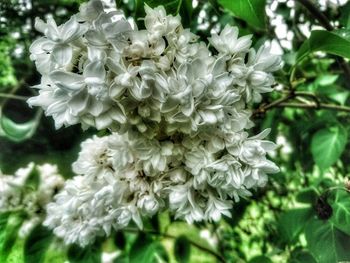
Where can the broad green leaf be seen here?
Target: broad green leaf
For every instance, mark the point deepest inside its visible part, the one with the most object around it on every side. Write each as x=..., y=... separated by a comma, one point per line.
x=3, y=220
x=345, y=15
x=8, y=234
x=182, y=249
x=326, y=243
x=88, y=254
x=18, y=132
x=341, y=211
x=251, y=11
x=292, y=223
x=36, y=244
x=260, y=259
x=147, y=250
x=300, y=256
x=327, y=145
x=329, y=42
x=307, y=196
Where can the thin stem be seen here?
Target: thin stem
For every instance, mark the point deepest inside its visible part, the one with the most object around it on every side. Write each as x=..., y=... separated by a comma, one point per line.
x=316, y=104
x=166, y=235
x=12, y=96
x=273, y=104
x=313, y=106
x=321, y=18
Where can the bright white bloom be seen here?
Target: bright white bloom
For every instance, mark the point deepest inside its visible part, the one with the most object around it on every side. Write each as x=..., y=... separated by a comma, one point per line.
x=177, y=111
x=228, y=41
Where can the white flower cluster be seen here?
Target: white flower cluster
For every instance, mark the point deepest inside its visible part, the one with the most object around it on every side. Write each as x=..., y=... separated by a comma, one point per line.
x=177, y=109
x=29, y=190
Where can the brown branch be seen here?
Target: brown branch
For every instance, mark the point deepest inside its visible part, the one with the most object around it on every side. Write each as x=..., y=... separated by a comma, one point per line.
x=314, y=106
x=321, y=18
x=284, y=103
x=166, y=235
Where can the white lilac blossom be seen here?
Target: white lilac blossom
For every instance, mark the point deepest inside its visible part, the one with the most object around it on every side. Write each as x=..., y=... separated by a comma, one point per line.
x=177, y=112
x=29, y=190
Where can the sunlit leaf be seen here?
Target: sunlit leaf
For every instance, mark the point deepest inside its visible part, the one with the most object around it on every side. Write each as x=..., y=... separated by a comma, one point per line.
x=292, y=223
x=326, y=243
x=329, y=42
x=252, y=11
x=341, y=211
x=18, y=132
x=327, y=145
x=8, y=234
x=146, y=250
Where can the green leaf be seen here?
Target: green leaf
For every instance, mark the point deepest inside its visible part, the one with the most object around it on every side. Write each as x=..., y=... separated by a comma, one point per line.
x=300, y=256
x=147, y=250
x=3, y=221
x=307, y=196
x=33, y=179
x=88, y=254
x=329, y=42
x=326, y=243
x=18, y=132
x=327, y=145
x=292, y=223
x=251, y=11
x=182, y=249
x=260, y=259
x=37, y=244
x=341, y=211
x=326, y=80
x=8, y=233
x=345, y=15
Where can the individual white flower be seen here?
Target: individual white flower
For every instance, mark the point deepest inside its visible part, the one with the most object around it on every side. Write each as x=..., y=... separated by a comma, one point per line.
x=153, y=155
x=148, y=204
x=226, y=173
x=186, y=203
x=106, y=30
x=253, y=151
x=196, y=162
x=217, y=207
x=56, y=43
x=228, y=41
x=55, y=102
x=95, y=159
x=158, y=23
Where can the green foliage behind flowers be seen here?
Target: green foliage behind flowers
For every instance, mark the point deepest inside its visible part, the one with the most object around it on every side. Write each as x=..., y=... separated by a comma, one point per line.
x=301, y=215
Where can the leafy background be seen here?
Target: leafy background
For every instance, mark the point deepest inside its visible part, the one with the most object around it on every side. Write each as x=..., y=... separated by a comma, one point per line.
x=303, y=213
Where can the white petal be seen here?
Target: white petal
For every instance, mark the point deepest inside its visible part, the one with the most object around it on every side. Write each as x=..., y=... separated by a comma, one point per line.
x=94, y=70
x=67, y=81
x=62, y=54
